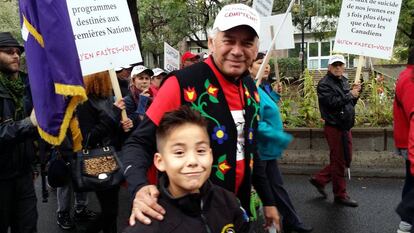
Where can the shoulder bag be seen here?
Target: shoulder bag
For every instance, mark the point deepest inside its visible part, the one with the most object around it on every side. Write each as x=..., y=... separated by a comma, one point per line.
x=96, y=169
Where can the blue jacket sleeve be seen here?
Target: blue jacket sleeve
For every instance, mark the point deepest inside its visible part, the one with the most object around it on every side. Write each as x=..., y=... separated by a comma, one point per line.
x=272, y=140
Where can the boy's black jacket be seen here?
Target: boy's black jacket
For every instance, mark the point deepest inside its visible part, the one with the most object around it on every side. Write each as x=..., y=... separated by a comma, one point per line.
x=212, y=210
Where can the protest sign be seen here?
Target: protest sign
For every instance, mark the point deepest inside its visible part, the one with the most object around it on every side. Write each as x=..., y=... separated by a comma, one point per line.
x=263, y=7
x=104, y=34
x=260, y=73
x=367, y=27
x=171, y=58
x=284, y=39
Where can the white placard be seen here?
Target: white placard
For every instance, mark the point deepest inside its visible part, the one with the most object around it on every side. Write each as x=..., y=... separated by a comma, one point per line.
x=263, y=7
x=104, y=34
x=171, y=58
x=285, y=38
x=367, y=27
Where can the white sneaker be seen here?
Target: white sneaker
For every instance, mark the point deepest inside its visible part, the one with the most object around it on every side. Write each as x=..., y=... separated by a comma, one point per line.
x=404, y=227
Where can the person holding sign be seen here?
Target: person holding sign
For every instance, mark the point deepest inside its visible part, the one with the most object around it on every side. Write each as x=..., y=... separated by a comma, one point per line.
x=140, y=97
x=271, y=141
x=101, y=125
x=222, y=91
x=404, y=140
x=336, y=104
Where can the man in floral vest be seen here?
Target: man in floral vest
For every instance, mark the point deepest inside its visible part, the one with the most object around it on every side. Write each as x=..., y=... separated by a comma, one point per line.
x=221, y=90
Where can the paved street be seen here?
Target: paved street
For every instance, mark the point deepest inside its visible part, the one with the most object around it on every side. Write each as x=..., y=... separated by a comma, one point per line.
x=377, y=197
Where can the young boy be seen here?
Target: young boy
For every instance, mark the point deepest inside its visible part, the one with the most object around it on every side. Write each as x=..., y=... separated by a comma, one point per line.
x=191, y=201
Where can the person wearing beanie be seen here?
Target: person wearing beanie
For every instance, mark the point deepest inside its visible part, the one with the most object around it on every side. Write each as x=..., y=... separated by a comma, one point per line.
x=18, y=123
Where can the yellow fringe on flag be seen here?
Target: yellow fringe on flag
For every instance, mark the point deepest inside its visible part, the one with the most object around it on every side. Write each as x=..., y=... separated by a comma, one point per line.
x=57, y=140
x=32, y=30
x=76, y=134
x=73, y=90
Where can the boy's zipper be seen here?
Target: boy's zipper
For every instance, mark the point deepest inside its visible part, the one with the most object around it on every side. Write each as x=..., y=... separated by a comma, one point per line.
x=204, y=218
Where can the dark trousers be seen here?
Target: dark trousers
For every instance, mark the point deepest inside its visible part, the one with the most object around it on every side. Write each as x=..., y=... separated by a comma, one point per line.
x=108, y=200
x=18, y=205
x=335, y=170
x=406, y=208
x=282, y=199
x=409, y=179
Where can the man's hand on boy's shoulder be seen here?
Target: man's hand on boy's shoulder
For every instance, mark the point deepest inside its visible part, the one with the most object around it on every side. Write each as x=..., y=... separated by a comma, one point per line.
x=272, y=217
x=146, y=205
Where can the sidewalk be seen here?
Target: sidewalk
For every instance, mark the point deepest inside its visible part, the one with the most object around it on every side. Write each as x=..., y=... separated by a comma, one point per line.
x=356, y=171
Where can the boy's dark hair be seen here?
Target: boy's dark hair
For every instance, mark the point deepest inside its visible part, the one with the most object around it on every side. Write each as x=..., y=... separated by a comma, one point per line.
x=176, y=118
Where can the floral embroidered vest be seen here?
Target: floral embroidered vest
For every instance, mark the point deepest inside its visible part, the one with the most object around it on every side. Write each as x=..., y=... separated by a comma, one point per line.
x=201, y=90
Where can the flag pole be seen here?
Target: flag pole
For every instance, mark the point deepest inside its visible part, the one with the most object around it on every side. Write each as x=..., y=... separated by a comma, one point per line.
x=359, y=69
x=259, y=75
x=276, y=66
x=117, y=91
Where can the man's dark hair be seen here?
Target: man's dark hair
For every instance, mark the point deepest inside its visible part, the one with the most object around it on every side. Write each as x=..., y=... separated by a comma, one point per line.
x=179, y=117
x=411, y=56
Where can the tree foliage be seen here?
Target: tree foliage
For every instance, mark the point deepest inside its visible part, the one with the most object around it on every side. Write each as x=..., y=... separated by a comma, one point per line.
x=173, y=21
x=289, y=67
x=405, y=32
x=9, y=18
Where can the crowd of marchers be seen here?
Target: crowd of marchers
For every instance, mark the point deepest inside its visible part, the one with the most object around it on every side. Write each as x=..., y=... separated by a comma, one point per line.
x=199, y=145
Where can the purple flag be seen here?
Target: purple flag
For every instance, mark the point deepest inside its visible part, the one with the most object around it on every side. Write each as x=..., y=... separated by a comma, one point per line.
x=53, y=64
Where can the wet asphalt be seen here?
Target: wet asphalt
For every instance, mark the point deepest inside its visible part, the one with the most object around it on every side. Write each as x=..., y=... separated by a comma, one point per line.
x=377, y=197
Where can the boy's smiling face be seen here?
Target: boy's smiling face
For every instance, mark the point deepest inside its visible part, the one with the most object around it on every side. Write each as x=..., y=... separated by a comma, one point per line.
x=185, y=155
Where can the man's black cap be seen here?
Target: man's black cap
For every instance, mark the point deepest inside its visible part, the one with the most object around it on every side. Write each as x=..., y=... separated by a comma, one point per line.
x=7, y=40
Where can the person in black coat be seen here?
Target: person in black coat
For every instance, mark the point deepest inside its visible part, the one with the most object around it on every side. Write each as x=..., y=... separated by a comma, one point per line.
x=140, y=96
x=17, y=133
x=100, y=123
x=336, y=104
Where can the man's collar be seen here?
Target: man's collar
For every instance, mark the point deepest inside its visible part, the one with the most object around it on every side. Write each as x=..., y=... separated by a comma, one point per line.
x=334, y=76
